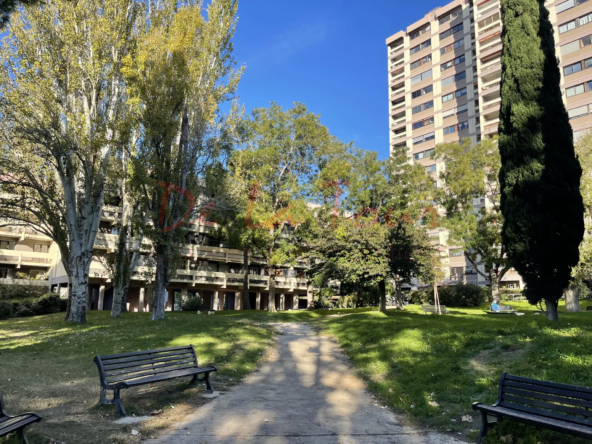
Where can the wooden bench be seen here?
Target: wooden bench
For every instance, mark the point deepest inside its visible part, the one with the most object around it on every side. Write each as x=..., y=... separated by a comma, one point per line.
x=561, y=407
x=146, y=367
x=9, y=424
x=433, y=309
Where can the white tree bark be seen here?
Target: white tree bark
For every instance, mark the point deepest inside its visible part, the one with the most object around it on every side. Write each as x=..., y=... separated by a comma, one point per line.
x=572, y=299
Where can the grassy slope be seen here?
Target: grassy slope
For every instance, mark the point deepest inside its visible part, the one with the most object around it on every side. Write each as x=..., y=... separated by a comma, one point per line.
x=410, y=360
x=46, y=366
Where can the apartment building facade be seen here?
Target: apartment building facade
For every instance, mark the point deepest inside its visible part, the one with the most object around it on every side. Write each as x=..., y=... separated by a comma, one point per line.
x=444, y=85
x=208, y=268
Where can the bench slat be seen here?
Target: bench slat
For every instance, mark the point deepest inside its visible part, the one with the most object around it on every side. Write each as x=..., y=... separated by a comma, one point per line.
x=527, y=418
x=147, y=369
x=547, y=413
x=118, y=366
x=150, y=373
x=170, y=375
x=547, y=397
x=145, y=352
x=536, y=382
x=551, y=390
x=16, y=422
x=547, y=405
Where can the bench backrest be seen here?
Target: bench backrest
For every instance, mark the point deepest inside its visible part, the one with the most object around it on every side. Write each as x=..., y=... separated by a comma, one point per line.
x=566, y=402
x=134, y=365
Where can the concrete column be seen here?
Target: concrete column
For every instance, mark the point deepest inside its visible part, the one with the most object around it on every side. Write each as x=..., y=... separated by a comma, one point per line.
x=141, y=299
x=214, y=303
x=258, y=301
x=222, y=299
x=295, y=302
x=101, y=297
x=238, y=300
x=282, y=302
x=309, y=297
x=58, y=288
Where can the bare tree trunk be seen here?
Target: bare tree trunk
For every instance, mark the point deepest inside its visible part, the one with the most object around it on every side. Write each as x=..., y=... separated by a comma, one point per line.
x=494, y=280
x=246, y=303
x=572, y=299
x=162, y=273
x=398, y=298
x=552, y=314
x=79, y=267
x=69, y=306
x=437, y=298
x=121, y=271
x=271, y=298
x=382, y=294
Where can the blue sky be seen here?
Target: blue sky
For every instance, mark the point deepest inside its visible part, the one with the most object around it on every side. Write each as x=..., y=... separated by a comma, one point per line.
x=327, y=54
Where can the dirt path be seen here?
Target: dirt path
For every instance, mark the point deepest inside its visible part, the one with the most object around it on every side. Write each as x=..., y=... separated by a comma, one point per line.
x=305, y=394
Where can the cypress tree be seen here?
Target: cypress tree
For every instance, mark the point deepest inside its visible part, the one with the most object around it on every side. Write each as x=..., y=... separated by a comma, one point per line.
x=540, y=174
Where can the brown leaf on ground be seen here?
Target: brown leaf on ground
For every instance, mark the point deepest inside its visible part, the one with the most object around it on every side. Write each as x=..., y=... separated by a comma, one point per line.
x=434, y=404
x=507, y=438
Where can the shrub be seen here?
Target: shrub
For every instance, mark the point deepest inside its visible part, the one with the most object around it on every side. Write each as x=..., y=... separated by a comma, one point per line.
x=193, y=303
x=16, y=291
x=420, y=297
x=50, y=303
x=461, y=295
x=5, y=310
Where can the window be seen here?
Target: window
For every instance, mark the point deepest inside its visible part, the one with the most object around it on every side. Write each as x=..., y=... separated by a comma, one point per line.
x=424, y=138
x=450, y=130
x=452, y=46
x=422, y=91
x=447, y=97
x=5, y=245
x=564, y=6
x=488, y=20
x=462, y=109
x=418, y=156
x=459, y=60
x=570, y=47
x=419, y=32
x=421, y=46
x=451, y=31
x=461, y=92
x=575, y=90
x=422, y=107
x=457, y=252
x=588, y=63
x=448, y=113
x=578, y=112
x=567, y=26
x=422, y=123
x=40, y=248
x=586, y=40
x=463, y=125
x=424, y=154
x=460, y=76
x=576, y=67
x=447, y=81
x=422, y=76
x=451, y=16
x=421, y=61
x=430, y=153
x=585, y=19
x=445, y=66
x=431, y=168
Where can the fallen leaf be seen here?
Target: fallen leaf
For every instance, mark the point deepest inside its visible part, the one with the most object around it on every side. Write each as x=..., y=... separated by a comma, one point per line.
x=467, y=418
x=135, y=432
x=507, y=438
x=434, y=404
x=155, y=412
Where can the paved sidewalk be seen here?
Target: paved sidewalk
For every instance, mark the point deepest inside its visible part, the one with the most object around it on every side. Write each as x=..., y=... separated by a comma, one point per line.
x=305, y=394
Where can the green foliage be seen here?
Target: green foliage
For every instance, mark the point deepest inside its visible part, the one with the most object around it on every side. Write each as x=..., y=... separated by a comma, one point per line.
x=5, y=310
x=192, y=303
x=461, y=295
x=539, y=175
x=17, y=291
x=48, y=304
x=582, y=273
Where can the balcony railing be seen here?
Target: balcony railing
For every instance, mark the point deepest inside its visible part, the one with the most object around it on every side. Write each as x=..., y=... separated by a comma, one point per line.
x=398, y=91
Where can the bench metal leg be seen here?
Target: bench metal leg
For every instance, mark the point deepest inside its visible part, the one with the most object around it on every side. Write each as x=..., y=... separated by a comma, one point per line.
x=23, y=435
x=206, y=379
x=116, y=400
x=485, y=427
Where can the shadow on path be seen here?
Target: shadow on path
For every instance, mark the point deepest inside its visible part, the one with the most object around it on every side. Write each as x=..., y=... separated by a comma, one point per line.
x=304, y=394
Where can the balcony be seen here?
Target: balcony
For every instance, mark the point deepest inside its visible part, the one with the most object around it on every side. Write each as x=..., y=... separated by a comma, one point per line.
x=397, y=123
x=397, y=92
x=34, y=282
x=490, y=129
x=396, y=49
x=397, y=106
x=18, y=258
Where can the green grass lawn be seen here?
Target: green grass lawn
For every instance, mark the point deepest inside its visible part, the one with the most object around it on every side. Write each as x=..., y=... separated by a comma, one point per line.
x=433, y=367
x=46, y=366
x=428, y=367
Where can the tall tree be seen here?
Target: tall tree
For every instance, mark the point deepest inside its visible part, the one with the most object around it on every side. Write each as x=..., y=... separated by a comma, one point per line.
x=280, y=154
x=182, y=72
x=7, y=7
x=62, y=97
x=540, y=175
x=471, y=174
